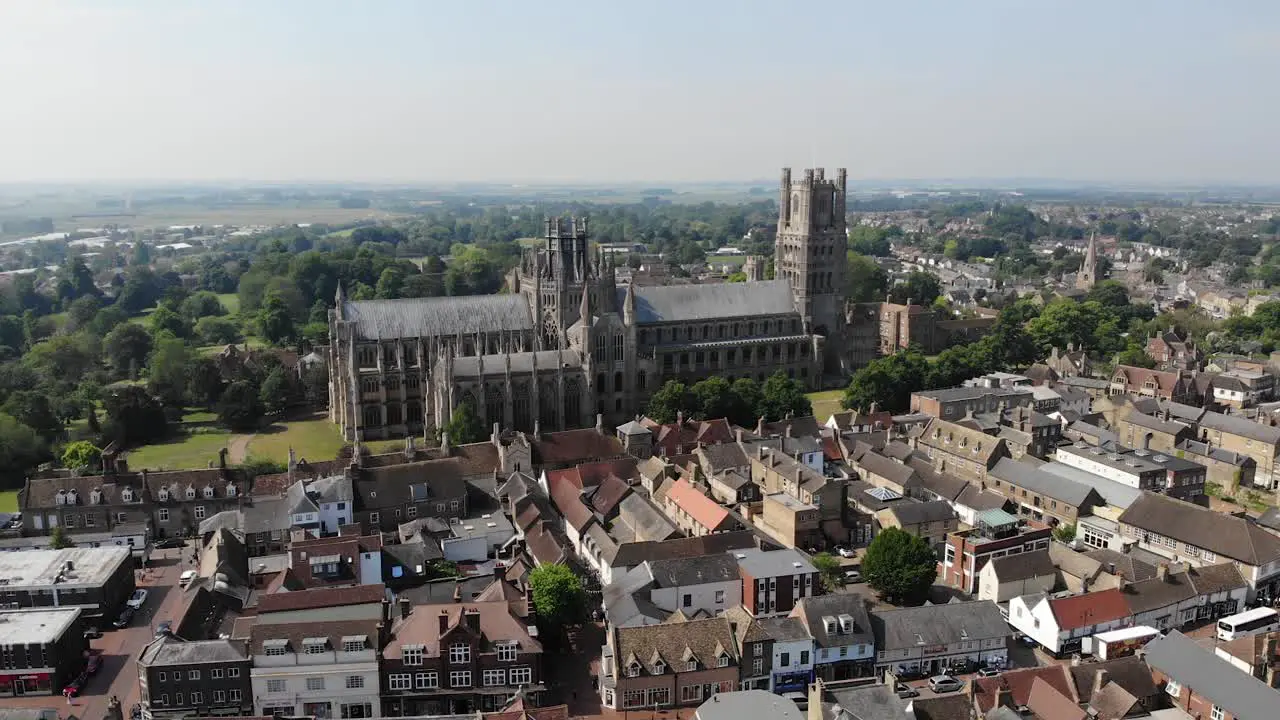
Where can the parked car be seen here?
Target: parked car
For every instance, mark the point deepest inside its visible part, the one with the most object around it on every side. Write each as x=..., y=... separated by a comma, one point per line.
x=906, y=691
x=844, y=552
x=944, y=684
x=173, y=542
x=74, y=687
x=164, y=628
x=137, y=599
x=987, y=672
x=852, y=576
x=186, y=578
x=92, y=632
x=125, y=618
x=94, y=664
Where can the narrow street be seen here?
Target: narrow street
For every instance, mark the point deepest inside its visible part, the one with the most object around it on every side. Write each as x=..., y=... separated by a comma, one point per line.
x=120, y=648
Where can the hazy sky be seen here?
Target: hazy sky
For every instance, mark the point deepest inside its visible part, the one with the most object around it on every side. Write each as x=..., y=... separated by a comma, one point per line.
x=608, y=90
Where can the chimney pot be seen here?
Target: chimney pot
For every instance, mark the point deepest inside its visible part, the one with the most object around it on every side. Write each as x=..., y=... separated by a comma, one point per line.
x=444, y=622
x=406, y=608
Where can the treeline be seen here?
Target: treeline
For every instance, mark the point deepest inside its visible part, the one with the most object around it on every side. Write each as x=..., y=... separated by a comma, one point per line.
x=743, y=402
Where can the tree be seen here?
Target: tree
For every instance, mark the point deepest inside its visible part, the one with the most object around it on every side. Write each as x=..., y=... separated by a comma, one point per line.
x=887, y=381
x=213, y=330
x=81, y=455
x=866, y=281
x=134, y=416
x=165, y=320
x=58, y=539
x=141, y=290
x=558, y=597
x=240, y=407
x=32, y=408
x=464, y=425
x=21, y=449
x=781, y=396
x=277, y=392
x=83, y=311
x=126, y=349
x=201, y=305
x=204, y=381
x=167, y=373
x=79, y=280
x=275, y=320
x=714, y=398
x=921, y=288
x=747, y=393
x=1065, y=533
x=900, y=566
x=670, y=400
x=830, y=571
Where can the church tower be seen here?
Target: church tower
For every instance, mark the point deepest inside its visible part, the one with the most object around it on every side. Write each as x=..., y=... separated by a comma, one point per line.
x=1088, y=275
x=810, y=254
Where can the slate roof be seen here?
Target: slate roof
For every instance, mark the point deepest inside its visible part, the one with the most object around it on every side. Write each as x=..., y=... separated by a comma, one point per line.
x=570, y=447
x=1236, y=425
x=1024, y=475
x=608, y=494
x=1113, y=493
x=973, y=444
x=631, y=554
x=524, y=362
x=694, y=571
x=891, y=470
x=1199, y=670
x=430, y=317
x=676, y=303
x=807, y=426
x=937, y=624
x=723, y=456
x=1127, y=566
x=811, y=610
x=1228, y=536
x=1023, y=566
x=923, y=512
x=168, y=651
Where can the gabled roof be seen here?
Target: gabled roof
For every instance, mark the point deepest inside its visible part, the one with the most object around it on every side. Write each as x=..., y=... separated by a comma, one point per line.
x=701, y=508
x=956, y=439
x=1168, y=382
x=1023, y=566
x=1201, y=671
x=321, y=597
x=1026, y=476
x=891, y=470
x=1228, y=536
x=1130, y=673
x=812, y=610
x=634, y=553
x=667, y=642
x=430, y=317
x=678, y=303
x=937, y=624
x=1236, y=425
x=1093, y=608
x=923, y=512
x=571, y=447
x=1019, y=682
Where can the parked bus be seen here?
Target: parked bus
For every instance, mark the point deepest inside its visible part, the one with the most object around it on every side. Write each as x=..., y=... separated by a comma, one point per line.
x=1250, y=622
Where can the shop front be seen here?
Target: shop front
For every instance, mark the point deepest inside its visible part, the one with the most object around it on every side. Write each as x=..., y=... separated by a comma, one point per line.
x=791, y=682
x=18, y=684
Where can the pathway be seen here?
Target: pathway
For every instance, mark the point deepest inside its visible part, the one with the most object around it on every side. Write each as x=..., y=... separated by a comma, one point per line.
x=238, y=448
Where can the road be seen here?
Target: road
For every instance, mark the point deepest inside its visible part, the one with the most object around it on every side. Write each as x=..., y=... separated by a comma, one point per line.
x=120, y=648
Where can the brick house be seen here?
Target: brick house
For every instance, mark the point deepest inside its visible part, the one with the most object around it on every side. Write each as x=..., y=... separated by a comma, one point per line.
x=774, y=581
x=995, y=534
x=1203, y=684
x=674, y=664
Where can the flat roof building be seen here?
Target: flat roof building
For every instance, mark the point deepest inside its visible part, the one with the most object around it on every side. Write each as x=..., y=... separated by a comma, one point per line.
x=44, y=650
x=99, y=580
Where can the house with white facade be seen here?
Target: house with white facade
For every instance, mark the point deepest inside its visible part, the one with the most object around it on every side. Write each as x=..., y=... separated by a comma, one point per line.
x=1060, y=625
x=308, y=662
x=933, y=638
x=1181, y=595
x=651, y=593
x=792, y=666
x=1004, y=578
x=843, y=642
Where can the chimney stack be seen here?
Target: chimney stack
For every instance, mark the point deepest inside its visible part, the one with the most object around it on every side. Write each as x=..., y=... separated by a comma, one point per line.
x=600, y=423
x=406, y=607
x=1162, y=572
x=472, y=617
x=444, y=621
x=1100, y=679
x=1004, y=695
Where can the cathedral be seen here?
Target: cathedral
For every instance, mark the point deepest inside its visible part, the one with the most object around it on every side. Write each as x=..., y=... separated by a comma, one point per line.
x=567, y=347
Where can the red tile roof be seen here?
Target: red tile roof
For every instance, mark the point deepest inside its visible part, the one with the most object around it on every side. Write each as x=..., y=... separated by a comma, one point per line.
x=568, y=499
x=701, y=508
x=674, y=438
x=321, y=597
x=570, y=447
x=1088, y=609
x=986, y=690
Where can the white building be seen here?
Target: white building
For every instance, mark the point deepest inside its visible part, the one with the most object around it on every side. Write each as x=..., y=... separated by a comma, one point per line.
x=1060, y=624
x=792, y=654
x=933, y=638
x=649, y=594
x=1004, y=578
x=843, y=643
x=477, y=539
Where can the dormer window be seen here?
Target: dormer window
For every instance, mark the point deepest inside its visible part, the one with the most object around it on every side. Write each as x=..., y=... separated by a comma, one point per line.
x=659, y=668
x=722, y=660
x=633, y=670
x=95, y=497
x=315, y=645
x=691, y=666
x=231, y=490
x=275, y=647
x=61, y=498
x=964, y=442
x=208, y=492
x=191, y=493
x=126, y=494
x=412, y=654
x=163, y=495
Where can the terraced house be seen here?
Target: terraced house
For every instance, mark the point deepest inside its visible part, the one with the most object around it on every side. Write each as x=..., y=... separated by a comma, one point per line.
x=674, y=664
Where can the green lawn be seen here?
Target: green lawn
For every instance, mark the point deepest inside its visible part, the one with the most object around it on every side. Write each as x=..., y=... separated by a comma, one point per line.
x=825, y=403
x=183, y=453
x=9, y=501
x=230, y=301
x=382, y=447
x=341, y=233
x=314, y=439
x=251, y=341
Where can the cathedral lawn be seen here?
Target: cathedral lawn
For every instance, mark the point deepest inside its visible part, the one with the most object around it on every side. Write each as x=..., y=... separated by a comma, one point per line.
x=314, y=438
x=181, y=453
x=825, y=403
x=9, y=501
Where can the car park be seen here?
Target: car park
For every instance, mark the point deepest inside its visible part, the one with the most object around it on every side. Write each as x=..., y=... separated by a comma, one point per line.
x=137, y=599
x=944, y=684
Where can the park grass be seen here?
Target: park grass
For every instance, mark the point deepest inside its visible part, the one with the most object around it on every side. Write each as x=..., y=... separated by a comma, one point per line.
x=341, y=233
x=313, y=438
x=230, y=301
x=825, y=403
x=185, y=452
x=9, y=501
x=382, y=447
x=252, y=341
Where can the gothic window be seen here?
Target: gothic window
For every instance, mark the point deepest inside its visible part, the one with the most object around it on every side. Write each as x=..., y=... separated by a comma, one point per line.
x=547, y=402
x=698, y=359
x=688, y=333
x=795, y=326
x=393, y=414
x=751, y=328
x=643, y=337
x=468, y=349
x=737, y=329
x=795, y=203
x=598, y=351
x=413, y=413
x=791, y=352
x=365, y=356
x=572, y=404
x=411, y=382
x=618, y=348
x=668, y=364
x=617, y=382
x=410, y=357
x=389, y=355
x=640, y=380
x=706, y=331
x=393, y=383
x=600, y=386
x=731, y=357
x=684, y=360
x=494, y=403
x=715, y=358
x=369, y=384
x=372, y=415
